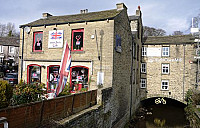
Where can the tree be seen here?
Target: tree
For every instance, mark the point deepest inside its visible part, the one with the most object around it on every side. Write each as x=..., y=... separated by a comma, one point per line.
x=177, y=33
x=8, y=30
x=150, y=31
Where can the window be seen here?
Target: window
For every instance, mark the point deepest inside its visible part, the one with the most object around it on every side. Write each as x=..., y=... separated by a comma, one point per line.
x=79, y=78
x=38, y=39
x=77, y=40
x=1, y=59
x=34, y=74
x=143, y=67
x=1, y=49
x=144, y=51
x=143, y=83
x=165, y=85
x=52, y=76
x=165, y=68
x=11, y=49
x=165, y=51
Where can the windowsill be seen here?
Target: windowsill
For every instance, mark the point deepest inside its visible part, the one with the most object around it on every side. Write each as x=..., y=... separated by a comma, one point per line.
x=42, y=52
x=77, y=52
x=165, y=73
x=164, y=90
x=143, y=87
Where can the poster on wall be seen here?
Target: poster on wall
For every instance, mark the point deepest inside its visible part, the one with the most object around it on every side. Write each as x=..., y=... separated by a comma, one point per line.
x=55, y=39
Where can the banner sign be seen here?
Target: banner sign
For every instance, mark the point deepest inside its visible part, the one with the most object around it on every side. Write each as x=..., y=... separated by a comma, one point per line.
x=55, y=39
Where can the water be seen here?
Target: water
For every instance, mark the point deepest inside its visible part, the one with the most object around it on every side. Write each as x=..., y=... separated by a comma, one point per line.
x=162, y=116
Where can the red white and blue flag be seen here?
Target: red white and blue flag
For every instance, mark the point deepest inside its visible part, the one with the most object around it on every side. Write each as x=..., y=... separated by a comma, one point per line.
x=64, y=69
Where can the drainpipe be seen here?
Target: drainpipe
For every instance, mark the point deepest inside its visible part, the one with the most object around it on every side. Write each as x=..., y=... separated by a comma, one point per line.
x=131, y=77
x=183, y=70
x=22, y=58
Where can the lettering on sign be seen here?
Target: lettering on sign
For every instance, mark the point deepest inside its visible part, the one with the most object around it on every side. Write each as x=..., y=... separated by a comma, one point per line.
x=160, y=101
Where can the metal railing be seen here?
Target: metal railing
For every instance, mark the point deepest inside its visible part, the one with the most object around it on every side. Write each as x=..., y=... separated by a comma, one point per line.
x=3, y=121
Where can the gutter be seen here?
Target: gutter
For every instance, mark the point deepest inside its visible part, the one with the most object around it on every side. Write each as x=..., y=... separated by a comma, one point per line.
x=22, y=58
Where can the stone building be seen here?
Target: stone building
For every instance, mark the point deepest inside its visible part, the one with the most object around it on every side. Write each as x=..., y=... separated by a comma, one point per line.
x=9, y=53
x=103, y=55
x=168, y=67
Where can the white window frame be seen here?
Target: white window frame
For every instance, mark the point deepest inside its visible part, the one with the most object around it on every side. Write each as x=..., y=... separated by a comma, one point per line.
x=10, y=49
x=1, y=48
x=165, y=51
x=165, y=83
x=143, y=67
x=144, y=51
x=164, y=68
x=143, y=83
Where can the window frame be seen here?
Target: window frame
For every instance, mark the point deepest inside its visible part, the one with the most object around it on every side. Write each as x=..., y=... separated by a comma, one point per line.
x=165, y=85
x=28, y=73
x=1, y=48
x=10, y=47
x=72, y=42
x=48, y=76
x=143, y=81
x=165, y=51
x=144, y=51
x=166, y=65
x=144, y=70
x=34, y=40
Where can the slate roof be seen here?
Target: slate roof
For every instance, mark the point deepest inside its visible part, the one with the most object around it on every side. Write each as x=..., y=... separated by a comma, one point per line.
x=9, y=41
x=157, y=40
x=77, y=18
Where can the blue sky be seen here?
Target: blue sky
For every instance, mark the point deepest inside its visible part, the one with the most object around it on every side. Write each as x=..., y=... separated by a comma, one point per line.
x=170, y=15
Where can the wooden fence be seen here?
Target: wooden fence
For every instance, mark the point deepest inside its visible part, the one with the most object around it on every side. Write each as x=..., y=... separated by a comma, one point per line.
x=35, y=114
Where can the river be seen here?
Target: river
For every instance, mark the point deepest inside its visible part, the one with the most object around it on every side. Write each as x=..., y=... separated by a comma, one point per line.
x=162, y=116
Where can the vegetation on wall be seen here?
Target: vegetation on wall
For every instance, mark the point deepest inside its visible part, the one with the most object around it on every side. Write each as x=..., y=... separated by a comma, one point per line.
x=26, y=93
x=193, y=99
x=6, y=92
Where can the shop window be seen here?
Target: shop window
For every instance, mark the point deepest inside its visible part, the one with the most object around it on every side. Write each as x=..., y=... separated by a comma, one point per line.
x=38, y=40
x=1, y=49
x=79, y=78
x=77, y=40
x=34, y=74
x=53, y=72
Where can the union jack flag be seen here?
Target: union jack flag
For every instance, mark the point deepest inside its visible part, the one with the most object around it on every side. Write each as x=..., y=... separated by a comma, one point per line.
x=64, y=69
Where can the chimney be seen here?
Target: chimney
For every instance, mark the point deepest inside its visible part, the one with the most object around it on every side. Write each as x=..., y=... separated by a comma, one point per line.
x=46, y=15
x=84, y=11
x=121, y=6
x=138, y=12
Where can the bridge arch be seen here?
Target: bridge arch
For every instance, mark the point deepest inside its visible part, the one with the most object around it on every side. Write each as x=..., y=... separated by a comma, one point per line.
x=162, y=101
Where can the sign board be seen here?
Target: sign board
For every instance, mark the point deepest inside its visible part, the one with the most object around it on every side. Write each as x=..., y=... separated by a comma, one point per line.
x=196, y=57
x=55, y=39
x=100, y=78
x=153, y=51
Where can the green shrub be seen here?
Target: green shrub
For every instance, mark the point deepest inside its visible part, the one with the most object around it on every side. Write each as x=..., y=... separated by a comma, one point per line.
x=6, y=92
x=26, y=93
x=66, y=90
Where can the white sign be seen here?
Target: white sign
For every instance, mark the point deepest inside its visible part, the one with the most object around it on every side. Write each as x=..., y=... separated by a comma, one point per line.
x=55, y=39
x=153, y=51
x=196, y=57
x=100, y=78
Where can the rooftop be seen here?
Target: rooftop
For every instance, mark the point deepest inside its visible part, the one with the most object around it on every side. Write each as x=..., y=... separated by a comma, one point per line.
x=9, y=41
x=77, y=18
x=179, y=39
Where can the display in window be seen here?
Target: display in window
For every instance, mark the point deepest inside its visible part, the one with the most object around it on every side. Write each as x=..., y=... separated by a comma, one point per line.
x=34, y=74
x=38, y=41
x=79, y=78
x=77, y=39
x=53, y=78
